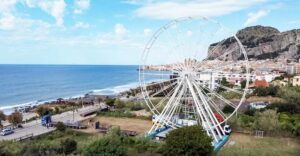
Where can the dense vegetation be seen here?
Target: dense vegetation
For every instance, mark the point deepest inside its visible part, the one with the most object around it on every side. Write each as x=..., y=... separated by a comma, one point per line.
x=269, y=121
x=70, y=142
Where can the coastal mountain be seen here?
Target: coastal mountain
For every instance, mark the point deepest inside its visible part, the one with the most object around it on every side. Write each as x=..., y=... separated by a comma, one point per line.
x=260, y=42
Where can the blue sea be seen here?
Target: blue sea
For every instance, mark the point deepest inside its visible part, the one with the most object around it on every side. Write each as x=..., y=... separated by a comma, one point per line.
x=26, y=84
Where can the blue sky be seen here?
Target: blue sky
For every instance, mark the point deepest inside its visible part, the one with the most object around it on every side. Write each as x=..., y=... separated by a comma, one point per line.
x=115, y=32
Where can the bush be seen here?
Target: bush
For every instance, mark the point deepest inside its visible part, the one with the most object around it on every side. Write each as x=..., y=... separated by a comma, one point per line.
x=250, y=112
x=284, y=107
x=60, y=126
x=190, y=140
x=134, y=106
x=68, y=145
x=262, y=91
x=228, y=109
x=110, y=102
x=119, y=104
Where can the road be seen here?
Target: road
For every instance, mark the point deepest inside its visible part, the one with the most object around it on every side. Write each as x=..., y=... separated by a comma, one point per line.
x=35, y=127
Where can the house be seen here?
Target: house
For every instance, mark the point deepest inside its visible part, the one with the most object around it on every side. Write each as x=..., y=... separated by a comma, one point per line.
x=279, y=83
x=259, y=83
x=296, y=80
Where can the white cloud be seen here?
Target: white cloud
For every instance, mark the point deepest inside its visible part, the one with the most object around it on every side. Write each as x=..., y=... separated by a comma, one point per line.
x=7, y=22
x=120, y=30
x=81, y=5
x=7, y=5
x=175, y=9
x=147, y=32
x=253, y=17
x=55, y=8
x=7, y=19
x=189, y=33
x=81, y=25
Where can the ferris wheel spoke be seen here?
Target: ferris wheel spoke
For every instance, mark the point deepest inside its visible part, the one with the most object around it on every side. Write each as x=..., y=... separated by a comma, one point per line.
x=175, y=106
x=219, y=97
x=229, y=89
x=210, y=113
x=213, y=104
x=203, y=114
x=169, y=104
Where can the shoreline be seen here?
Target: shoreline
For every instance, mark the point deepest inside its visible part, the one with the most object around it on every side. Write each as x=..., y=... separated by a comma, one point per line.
x=96, y=93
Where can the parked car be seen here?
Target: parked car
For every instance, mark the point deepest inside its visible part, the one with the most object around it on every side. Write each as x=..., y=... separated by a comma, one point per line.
x=6, y=132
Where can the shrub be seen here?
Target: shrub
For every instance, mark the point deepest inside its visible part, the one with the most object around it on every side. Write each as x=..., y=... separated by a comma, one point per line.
x=119, y=104
x=134, y=106
x=68, y=145
x=110, y=102
x=284, y=107
x=60, y=126
x=228, y=109
x=56, y=110
x=109, y=145
x=265, y=91
x=190, y=140
x=250, y=112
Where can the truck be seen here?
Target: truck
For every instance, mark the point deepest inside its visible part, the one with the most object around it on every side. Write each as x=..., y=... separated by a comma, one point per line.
x=46, y=119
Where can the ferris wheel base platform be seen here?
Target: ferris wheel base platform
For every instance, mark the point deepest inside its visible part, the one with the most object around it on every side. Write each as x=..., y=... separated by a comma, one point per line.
x=221, y=143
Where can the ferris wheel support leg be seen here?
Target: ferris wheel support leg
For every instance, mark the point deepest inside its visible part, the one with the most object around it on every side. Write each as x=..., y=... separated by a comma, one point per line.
x=160, y=117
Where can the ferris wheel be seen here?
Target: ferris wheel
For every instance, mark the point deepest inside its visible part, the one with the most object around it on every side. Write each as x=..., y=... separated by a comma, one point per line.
x=188, y=68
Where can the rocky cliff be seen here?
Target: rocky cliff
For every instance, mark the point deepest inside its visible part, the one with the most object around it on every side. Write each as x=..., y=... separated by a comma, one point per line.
x=260, y=42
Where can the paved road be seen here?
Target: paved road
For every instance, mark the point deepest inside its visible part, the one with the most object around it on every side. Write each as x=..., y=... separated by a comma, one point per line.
x=35, y=127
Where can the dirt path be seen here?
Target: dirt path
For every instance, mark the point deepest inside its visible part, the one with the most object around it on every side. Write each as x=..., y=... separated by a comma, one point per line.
x=131, y=124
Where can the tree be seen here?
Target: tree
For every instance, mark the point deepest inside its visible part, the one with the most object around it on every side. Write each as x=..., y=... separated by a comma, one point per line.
x=188, y=141
x=243, y=84
x=60, y=126
x=225, y=83
x=2, y=117
x=68, y=146
x=15, y=118
x=42, y=110
x=267, y=121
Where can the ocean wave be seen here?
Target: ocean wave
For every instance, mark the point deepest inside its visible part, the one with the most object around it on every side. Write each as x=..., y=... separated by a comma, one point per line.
x=105, y=91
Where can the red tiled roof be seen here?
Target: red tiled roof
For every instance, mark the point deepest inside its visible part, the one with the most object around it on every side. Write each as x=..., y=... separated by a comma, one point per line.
x=259, y=83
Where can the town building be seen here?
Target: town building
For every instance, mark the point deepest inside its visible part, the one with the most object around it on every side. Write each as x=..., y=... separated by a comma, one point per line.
x=296, y=80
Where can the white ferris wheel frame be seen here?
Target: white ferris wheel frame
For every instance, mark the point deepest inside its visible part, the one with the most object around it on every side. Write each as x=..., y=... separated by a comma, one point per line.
x=147, y=49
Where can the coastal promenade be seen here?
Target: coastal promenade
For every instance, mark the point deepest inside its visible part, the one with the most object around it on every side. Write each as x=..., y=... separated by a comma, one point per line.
x=35, y=128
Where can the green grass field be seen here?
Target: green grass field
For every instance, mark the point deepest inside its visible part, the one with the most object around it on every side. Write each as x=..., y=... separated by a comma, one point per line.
x=245, y=145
